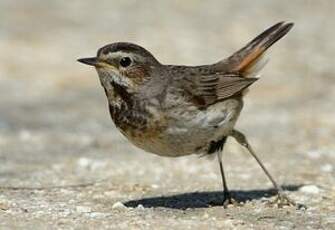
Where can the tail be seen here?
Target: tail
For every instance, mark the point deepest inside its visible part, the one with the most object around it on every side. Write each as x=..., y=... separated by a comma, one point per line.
x=249, y=60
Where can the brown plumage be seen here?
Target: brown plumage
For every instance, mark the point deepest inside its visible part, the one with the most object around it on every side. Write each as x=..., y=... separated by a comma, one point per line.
x=174, y=110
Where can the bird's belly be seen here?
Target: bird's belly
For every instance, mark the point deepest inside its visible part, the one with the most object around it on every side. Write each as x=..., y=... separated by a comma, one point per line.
x=191, y=131
x=194, y=131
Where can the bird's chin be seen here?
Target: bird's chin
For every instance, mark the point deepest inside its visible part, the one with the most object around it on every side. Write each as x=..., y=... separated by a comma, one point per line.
x=108, y=77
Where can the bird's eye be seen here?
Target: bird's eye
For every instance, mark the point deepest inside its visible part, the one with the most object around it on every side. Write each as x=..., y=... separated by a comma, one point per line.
x=125, y=61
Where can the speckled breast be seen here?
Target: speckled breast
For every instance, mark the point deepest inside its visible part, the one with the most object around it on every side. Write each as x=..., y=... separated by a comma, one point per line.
x=178, y=131
x=144, y=127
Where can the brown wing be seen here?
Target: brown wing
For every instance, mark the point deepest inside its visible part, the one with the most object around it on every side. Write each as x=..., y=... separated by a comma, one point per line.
x=209, y=89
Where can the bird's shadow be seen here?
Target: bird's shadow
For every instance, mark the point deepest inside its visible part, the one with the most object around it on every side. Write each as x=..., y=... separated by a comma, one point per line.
x=204, y=199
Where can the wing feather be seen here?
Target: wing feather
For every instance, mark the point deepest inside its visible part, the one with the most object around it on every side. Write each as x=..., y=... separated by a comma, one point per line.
x=210, y=89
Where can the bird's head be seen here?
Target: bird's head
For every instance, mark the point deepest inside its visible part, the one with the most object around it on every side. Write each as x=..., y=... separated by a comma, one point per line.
x=123, y=64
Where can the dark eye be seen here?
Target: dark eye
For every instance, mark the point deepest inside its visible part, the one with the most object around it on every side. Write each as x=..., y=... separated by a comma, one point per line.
x=125, y=61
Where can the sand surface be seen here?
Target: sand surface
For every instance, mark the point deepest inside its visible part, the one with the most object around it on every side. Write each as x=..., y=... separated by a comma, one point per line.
x=65, y=166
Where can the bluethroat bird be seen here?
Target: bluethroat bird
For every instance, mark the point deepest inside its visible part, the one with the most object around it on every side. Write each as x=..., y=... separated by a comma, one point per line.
x=176, y=110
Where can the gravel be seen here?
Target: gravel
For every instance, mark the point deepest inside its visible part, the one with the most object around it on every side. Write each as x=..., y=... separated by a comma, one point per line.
x=65, y=166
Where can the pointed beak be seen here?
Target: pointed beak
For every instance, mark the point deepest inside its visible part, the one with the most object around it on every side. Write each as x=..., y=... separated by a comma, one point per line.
x=93, y=61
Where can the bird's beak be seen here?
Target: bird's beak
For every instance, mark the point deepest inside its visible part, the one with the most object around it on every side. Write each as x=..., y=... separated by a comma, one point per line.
x=93, y=61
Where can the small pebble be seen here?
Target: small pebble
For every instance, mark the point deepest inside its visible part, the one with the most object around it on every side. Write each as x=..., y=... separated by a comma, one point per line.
x=97, y=215
x=84, y=162
x=311, y=189
x=118, y=205
x=25, y=135
x=154, y=186
x=83, y=209
x=327, y=168
x=314, y=154
x=205, y=216
x=4, y=206
x=140, y=206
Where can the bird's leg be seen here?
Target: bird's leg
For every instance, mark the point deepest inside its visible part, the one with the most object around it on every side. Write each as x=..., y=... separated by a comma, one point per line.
x=282, y=199
x=227, y=198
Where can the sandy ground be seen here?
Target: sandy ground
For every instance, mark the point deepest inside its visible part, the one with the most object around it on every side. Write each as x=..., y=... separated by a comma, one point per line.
x=65, y=166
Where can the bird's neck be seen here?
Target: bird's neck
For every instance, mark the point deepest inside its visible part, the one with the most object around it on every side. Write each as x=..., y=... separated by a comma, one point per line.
x=126, y=110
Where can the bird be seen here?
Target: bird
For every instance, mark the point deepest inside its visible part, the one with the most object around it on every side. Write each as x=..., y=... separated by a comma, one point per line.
x=178, y=110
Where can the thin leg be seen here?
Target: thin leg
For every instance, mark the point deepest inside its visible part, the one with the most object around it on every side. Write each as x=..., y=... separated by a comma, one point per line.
x=227, y=198
x=242, y=140
x=226, y=193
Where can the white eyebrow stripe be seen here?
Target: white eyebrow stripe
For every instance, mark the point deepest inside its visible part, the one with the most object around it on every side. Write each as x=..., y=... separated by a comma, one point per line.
x=118, y=54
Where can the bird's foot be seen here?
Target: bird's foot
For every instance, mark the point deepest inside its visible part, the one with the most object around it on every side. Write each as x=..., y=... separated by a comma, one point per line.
x=282, y=200
x=229, y=201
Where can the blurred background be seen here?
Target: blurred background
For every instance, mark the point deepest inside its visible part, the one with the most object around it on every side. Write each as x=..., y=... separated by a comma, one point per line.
x=55, y=128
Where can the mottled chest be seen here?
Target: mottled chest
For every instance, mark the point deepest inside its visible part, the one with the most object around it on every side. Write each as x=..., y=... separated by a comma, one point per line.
x=141, y=124
x=127, y=117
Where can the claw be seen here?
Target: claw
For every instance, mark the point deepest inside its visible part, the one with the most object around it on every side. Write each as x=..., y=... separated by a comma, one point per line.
x=282, y=200
x=229, y=201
